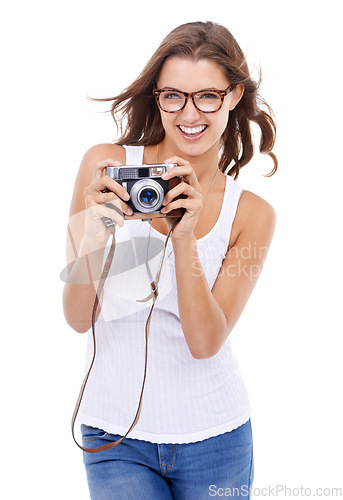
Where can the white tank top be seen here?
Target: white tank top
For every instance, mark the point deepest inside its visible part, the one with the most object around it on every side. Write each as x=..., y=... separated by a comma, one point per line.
x=185, y=399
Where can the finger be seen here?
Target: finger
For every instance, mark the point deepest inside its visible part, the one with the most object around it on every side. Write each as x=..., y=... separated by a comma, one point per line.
x=184, y=169
x=100, y=197
x=192, y=206
x=181, y=189
x=112, y=201
x=178, y=160
x=120, y=210
x=106, y=182
x=187, y=174
x=181, y=170
x=100, y=211
x=101, y=166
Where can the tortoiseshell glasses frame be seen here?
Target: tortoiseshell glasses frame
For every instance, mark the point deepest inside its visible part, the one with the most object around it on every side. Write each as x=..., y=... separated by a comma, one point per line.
x=221, y=93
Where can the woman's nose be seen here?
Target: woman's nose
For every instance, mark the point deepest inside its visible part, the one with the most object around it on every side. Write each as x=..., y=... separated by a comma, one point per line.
x=190, y=113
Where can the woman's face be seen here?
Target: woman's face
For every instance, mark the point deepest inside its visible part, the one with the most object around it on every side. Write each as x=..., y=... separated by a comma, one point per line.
x=189, y=131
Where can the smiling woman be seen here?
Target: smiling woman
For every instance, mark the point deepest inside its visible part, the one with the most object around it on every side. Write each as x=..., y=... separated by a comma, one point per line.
x=190, y=108
x=201, y=121
x=207, y=44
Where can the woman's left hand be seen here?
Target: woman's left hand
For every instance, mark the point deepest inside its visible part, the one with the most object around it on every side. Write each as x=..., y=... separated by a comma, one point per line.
x=192, y=202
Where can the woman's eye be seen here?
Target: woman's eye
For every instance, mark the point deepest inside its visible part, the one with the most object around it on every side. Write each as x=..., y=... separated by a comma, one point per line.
x=208, y=96
x=171, y=95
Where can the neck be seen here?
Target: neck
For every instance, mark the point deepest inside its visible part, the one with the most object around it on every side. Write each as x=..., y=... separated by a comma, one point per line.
x=204, y=165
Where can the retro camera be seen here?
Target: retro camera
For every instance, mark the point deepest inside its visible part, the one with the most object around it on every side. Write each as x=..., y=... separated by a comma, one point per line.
x=146, y=188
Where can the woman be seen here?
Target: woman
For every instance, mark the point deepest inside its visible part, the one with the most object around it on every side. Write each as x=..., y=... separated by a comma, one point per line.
x=192, y=105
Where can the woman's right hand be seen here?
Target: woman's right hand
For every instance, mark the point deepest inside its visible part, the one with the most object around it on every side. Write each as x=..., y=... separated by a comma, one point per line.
x=95, y=199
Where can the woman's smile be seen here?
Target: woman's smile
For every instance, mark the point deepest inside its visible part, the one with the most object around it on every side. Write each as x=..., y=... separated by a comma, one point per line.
x=192, y=132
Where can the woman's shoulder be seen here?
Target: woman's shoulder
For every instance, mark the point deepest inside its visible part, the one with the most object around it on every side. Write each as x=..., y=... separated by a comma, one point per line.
x=101, y=152
x=252, y=203
x=254, y=214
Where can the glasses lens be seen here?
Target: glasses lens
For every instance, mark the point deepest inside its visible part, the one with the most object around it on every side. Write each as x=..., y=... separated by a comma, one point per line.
x=171, y=100
x=208, y=101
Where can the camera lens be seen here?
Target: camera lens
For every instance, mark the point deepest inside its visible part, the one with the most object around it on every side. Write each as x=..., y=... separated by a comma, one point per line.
x=147, y=195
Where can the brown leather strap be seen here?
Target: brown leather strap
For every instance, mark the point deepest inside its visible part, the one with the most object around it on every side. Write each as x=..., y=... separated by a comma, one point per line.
x=154, y=294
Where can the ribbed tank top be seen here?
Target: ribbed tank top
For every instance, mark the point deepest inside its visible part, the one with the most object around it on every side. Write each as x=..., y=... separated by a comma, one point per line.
x=185, y=399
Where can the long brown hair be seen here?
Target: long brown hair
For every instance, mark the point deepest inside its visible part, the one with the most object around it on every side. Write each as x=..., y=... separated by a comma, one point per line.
x=137, y=109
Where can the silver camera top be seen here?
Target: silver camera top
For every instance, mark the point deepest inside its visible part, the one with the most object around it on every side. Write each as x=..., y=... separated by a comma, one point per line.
x=139, y=171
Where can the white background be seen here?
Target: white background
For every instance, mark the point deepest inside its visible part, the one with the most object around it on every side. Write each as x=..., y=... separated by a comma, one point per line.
x=289, y=338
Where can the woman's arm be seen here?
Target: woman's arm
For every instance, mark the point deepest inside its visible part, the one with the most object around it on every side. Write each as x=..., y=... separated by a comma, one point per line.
x=208, y=316
x=87, y=235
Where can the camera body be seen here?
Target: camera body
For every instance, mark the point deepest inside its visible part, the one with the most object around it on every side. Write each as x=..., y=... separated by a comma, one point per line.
x=146, y=188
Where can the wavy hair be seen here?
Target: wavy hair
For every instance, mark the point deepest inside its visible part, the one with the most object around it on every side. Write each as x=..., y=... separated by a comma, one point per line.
x=137, y=110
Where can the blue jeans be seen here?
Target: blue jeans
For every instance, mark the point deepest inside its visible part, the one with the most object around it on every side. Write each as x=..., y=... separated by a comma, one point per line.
x=140, y=470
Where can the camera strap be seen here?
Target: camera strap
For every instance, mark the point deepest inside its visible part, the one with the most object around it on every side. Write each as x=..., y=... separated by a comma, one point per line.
x=153, y=295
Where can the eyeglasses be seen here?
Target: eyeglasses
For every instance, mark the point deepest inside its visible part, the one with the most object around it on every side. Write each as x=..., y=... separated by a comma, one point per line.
x=206, y=101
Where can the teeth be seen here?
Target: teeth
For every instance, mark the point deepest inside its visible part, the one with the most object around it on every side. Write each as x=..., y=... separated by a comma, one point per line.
x=192, y=130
